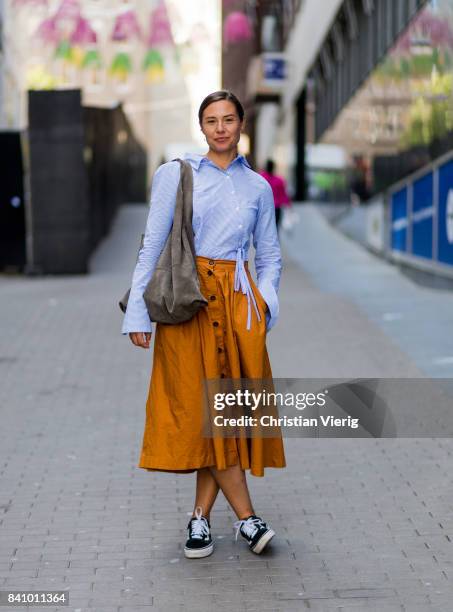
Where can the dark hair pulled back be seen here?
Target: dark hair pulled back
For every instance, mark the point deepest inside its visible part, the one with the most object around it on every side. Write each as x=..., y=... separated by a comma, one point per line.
x=222, y=94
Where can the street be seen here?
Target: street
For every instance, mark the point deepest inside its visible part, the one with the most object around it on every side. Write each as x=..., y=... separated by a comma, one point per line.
x=361, y=524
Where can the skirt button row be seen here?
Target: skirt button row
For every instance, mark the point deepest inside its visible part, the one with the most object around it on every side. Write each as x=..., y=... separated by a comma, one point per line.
x=220, y=349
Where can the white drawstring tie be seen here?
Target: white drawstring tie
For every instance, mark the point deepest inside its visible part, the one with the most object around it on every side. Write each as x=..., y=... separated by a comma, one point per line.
x=241, y=281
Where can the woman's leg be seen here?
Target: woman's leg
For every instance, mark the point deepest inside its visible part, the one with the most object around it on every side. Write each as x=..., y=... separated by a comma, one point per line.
x=233, y=483
x=206, y=493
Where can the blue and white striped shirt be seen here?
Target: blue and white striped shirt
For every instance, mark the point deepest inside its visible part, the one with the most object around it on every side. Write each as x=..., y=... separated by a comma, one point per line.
x=228, y=206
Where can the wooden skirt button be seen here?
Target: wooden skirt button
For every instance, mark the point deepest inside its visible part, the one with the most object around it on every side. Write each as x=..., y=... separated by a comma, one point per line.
x=212, y=297
x=216, y=323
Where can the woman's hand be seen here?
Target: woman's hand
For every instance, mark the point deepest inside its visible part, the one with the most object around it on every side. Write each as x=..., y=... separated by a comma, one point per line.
x=141, y=339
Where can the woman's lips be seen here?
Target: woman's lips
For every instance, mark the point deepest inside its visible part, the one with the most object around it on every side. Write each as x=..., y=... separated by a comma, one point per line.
x=220, y=139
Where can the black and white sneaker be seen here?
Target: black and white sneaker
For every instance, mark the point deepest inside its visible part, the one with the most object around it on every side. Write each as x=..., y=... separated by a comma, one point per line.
x=257, y=533
x=199, y=542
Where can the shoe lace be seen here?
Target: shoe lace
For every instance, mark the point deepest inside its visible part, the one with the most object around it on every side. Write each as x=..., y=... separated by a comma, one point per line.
x=249, y=526
x=198, y=525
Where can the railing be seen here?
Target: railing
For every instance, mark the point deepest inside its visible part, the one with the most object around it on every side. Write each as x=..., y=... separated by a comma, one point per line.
x=420, y=217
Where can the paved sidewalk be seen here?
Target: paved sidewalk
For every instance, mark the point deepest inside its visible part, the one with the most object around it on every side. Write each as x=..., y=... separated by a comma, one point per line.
x=361, y=524
x=416, y=318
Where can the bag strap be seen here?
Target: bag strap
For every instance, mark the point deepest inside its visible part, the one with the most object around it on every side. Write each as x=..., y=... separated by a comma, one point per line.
x=184, y=207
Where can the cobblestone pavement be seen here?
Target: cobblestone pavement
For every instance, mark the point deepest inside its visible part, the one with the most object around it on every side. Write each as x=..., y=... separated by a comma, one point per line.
x=362, y=524
x=418, y=319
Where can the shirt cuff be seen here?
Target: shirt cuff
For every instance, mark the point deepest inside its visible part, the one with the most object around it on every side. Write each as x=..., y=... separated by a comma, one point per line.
x=142, y=324
x=267, y=290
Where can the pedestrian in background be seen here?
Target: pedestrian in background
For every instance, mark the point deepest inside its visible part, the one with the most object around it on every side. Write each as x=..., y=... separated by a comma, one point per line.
x=226, y=338
x=359, y=184
x=278, y=185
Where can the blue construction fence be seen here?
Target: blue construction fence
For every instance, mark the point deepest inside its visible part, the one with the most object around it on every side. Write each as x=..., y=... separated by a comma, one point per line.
x=421, y=215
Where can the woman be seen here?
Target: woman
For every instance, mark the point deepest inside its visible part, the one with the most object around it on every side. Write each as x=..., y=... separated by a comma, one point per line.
x=281, y=197
x=226, y=338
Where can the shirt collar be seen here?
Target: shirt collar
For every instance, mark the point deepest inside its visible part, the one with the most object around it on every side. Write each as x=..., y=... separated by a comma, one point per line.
x=195, y=159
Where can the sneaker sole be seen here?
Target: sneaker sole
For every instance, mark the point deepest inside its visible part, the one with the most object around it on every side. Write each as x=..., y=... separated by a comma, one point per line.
x=198, y=553
x=263, y=541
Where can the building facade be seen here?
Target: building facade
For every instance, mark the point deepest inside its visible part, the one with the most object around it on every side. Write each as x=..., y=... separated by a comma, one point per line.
x=365, y=114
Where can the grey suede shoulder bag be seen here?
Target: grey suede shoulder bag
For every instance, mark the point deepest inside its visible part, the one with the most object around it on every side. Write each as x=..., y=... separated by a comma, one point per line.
x=173, y=294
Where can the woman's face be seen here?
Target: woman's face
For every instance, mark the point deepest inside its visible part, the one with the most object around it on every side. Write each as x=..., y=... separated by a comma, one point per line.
x=221, y=126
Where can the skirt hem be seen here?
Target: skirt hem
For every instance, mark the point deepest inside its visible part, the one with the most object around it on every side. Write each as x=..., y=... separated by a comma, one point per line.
x=190, y=470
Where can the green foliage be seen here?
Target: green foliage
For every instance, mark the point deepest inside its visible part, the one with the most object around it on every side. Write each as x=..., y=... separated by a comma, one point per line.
x=431, y=112
x=404, y=67
x=329, y=181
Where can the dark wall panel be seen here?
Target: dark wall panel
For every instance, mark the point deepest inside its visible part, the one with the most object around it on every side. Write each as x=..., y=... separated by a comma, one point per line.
x=84, y=163
x=12, y=209
x=116, y=166
x=59, y=190
x=300, y=178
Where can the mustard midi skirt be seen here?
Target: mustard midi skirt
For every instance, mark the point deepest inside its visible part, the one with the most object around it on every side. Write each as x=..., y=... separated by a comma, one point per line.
x=214, y=343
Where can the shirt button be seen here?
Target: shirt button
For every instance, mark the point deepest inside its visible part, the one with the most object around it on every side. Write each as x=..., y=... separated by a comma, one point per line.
x=216, y=323
x=237, y=207
x=239, y=226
